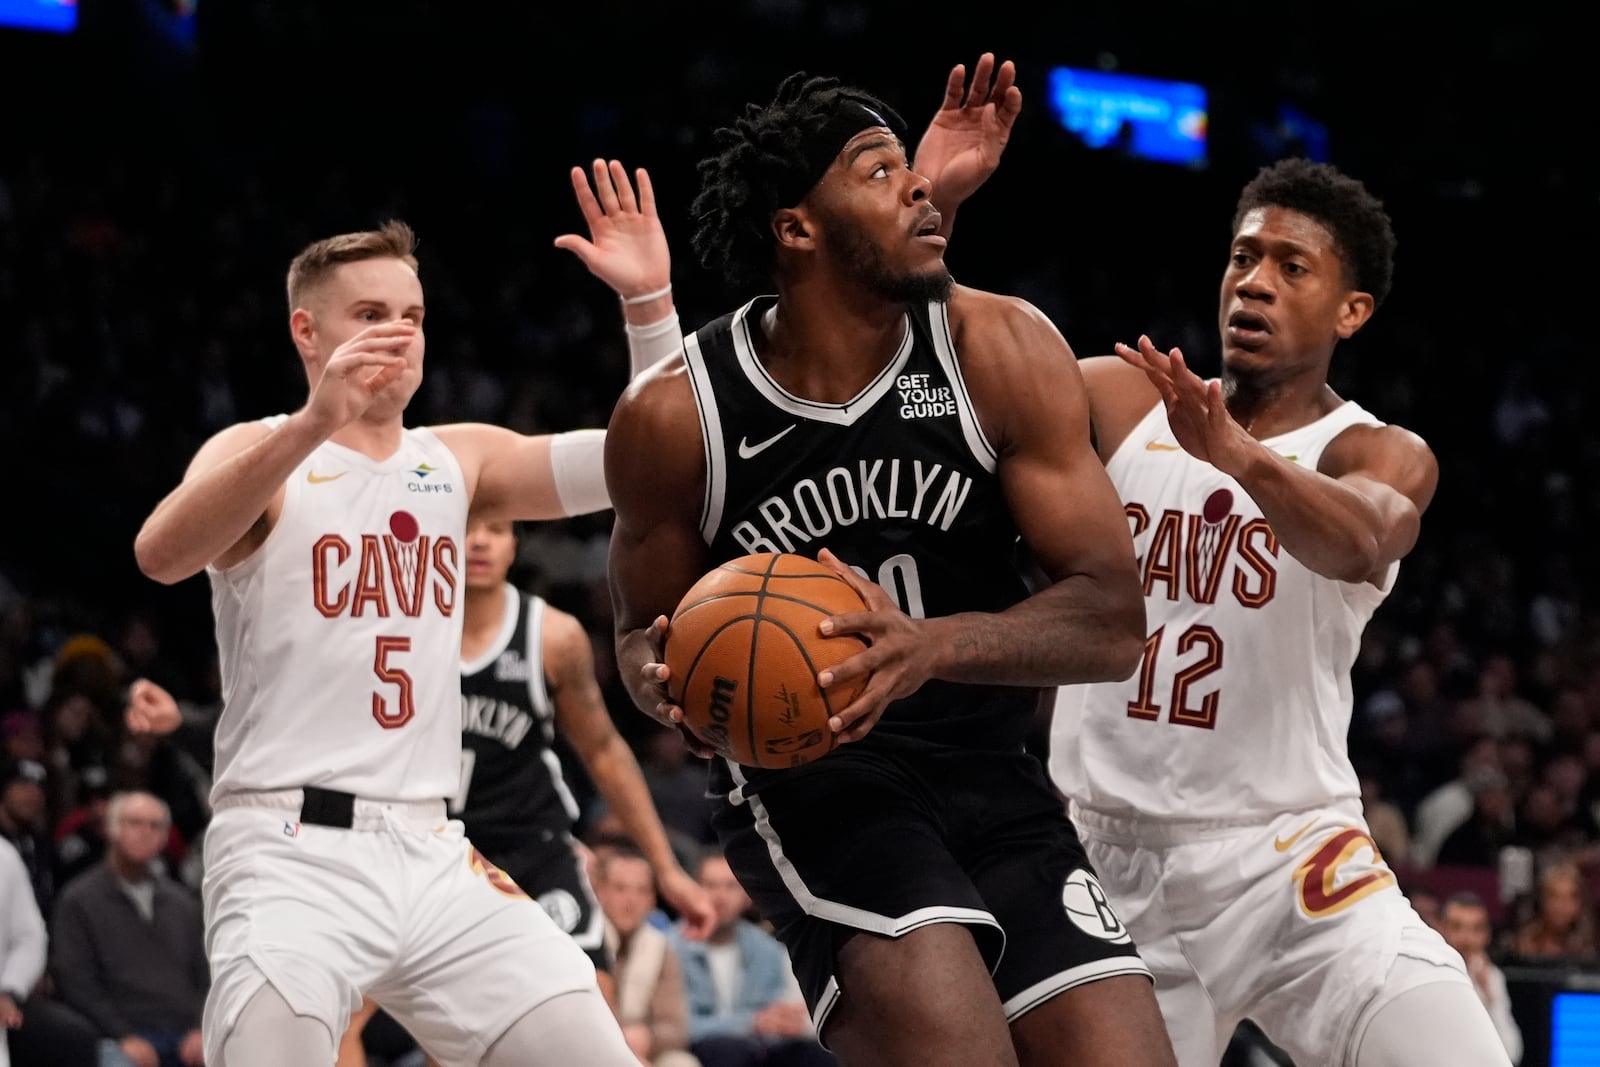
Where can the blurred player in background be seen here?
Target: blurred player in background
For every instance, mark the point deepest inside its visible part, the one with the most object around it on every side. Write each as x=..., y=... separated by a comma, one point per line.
x=334, y=541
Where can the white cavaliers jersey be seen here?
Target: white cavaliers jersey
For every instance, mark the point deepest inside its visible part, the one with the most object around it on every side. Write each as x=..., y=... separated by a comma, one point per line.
x=1240, y=706
x=339, y=638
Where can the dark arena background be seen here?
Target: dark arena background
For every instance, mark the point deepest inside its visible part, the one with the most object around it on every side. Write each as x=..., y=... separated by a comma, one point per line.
x=161, y=161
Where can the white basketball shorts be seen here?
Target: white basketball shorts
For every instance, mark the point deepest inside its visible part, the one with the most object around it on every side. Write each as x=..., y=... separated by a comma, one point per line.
x=400, y=907
x=1294, y=923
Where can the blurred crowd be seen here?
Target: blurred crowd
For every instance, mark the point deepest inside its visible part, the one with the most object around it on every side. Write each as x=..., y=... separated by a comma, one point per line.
x=141, y=310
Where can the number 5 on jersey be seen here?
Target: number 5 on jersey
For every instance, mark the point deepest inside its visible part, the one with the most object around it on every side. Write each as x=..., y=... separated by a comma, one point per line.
x=405, y=709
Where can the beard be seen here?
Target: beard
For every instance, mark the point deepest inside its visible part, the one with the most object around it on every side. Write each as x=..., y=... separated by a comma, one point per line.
x=865, y=263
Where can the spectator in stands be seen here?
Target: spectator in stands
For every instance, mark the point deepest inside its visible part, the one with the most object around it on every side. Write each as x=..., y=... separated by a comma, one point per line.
x=43, y=1032
x=128, y=943
x=1563, y=923
x=677, y=781
x=1385, y=820
x=1498, y=710
x=1491, y=827
x=1443, y=810
x=80, y=836
x=22, y=943
x=22, y=823
x=649, y=979
x=745, y=1006
x=1425, y=902
x=1466, y=927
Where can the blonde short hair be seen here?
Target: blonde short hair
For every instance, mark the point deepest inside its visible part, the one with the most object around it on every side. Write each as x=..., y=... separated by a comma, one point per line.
x=393, y=240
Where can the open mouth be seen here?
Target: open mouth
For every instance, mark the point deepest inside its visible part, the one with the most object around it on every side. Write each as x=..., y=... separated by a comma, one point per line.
x=929, y=226
x=1249, y=322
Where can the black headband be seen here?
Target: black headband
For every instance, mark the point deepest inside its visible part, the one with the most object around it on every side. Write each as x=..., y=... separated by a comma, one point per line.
x=822, y=147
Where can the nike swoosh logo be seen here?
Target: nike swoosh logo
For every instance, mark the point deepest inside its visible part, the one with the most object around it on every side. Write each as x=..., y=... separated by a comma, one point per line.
x=1283, y=846
x=750, y=451
x=1157, y=446
x=317, y=479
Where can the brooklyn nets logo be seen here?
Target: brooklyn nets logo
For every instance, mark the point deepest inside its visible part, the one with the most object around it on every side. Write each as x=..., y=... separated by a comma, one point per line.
x=1089, y=910
x=563, y=909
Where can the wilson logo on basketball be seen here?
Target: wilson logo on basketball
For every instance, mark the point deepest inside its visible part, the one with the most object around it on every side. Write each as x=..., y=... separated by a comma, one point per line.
x=401, y=571
x=715, y=733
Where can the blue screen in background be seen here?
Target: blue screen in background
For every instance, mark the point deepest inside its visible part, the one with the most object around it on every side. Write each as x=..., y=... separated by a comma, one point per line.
x=1151, y=118
x=1575, y=1030
x=54, y=16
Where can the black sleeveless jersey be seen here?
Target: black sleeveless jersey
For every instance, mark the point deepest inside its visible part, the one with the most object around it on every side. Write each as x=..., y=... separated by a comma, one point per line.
x=510, y=775
x=899, y=483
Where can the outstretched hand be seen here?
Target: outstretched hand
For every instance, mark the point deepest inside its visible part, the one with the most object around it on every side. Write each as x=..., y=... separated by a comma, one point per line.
x=626, y=247
x=963, y=143
x=1197, y=413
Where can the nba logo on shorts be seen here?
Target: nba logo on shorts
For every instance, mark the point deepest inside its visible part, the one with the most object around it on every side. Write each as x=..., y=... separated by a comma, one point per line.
x=1090, y=911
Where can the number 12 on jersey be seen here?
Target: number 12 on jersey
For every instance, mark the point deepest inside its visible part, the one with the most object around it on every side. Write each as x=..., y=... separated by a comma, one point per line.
x=1197, y=638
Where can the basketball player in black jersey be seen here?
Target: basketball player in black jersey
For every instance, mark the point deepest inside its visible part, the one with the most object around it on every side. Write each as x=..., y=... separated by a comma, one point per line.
x=527, y=671
x=935, y=901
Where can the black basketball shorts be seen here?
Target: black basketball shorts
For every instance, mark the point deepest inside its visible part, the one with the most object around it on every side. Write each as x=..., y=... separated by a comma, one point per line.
x=887, y=842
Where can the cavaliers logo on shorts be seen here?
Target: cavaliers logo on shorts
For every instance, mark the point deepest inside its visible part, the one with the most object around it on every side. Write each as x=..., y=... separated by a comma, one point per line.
x=494, y=875
x=1086, y=905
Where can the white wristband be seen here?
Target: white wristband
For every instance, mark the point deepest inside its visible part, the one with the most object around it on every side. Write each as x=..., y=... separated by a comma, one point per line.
x=645, y=298
x=577, y=464
x=651, y=343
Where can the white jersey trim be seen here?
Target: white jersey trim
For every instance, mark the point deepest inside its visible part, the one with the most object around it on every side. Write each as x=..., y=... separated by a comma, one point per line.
x=508, y=626
x=1083, y=974
x=844, y=414
x=705, y=398
x=944, y=347
x=593, y=937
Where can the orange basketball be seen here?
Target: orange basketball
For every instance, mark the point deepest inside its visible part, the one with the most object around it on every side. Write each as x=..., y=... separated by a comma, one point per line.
x=744, y=653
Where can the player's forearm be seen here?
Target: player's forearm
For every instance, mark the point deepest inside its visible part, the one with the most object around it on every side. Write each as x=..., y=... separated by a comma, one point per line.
x=652, y=340
x=208, y=514
x=617, y=776
x=1081, y=629
x=1331, y=528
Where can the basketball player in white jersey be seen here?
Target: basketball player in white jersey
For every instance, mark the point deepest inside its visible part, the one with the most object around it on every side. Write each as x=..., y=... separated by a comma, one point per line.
x=1212, y=788
x=333, y=540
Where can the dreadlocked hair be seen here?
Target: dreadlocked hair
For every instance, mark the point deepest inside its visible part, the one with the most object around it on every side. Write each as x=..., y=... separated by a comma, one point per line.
x=1357, y=220
x=766, y=161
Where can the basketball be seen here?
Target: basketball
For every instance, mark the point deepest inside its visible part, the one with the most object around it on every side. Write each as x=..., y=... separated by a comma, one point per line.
x=743, y=654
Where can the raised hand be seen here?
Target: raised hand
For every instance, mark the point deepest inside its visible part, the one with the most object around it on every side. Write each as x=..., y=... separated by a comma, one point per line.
x=1196, y=410
x=963, y=143
x=626, y=247
x=358, y=371
x=896, y=663
x=151, y=709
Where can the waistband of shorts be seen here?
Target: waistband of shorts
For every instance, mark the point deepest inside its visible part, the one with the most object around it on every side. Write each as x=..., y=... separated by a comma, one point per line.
x=1152, y=832
x=1155, y=833
x=364, y=813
